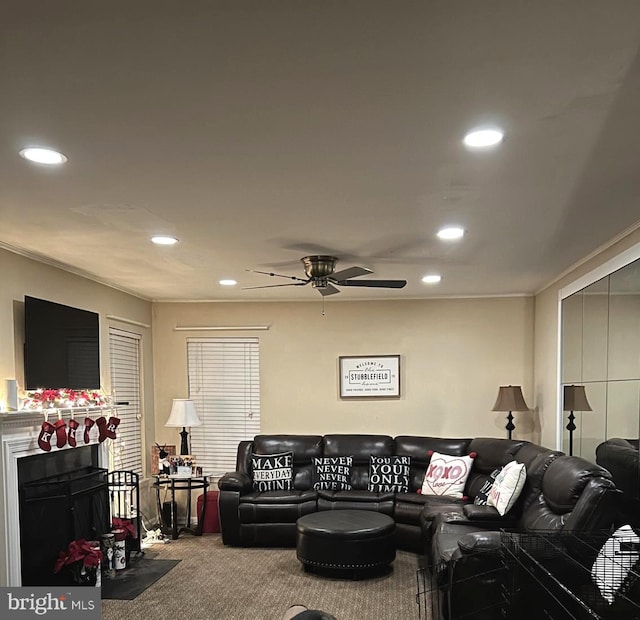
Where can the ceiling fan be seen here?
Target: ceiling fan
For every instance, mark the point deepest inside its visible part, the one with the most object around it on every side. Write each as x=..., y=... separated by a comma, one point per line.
x=321, y=274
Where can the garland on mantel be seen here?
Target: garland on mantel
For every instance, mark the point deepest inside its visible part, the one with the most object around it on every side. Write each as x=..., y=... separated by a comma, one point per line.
x=64, y=398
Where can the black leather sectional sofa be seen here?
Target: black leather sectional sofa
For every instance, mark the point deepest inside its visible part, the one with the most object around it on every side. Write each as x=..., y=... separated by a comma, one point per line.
x=622, y=458
x=457, y=537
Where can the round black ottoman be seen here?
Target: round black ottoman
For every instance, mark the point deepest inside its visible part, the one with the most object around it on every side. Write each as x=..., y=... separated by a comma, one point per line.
x=354, y=540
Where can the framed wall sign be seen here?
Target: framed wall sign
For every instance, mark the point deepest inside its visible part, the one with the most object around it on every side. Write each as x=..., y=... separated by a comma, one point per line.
x=369, y=376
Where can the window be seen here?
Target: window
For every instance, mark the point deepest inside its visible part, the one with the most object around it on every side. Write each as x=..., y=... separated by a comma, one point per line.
x=224, y=383
x=124, y=353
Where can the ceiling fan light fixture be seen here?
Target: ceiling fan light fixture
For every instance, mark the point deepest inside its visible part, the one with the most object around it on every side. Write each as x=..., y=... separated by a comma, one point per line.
x=450, y=233
x=483, y=138
x=321, y=274
x=41, y=155
x=164, y=240
x=228, y=282
x=432, y=278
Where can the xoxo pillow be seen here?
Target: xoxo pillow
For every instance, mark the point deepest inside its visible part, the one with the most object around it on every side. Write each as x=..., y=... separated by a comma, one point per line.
x=447, y=475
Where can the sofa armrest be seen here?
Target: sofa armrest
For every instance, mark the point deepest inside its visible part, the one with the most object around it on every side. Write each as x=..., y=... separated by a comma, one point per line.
x=232, y=485
x=489, y=515
x=486, y=543
x=235, y=481
x=477, y=577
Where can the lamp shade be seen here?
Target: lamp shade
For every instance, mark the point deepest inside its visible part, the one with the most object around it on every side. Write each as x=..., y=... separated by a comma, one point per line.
x=510, y=399
x=183, y=413
x=575, y=399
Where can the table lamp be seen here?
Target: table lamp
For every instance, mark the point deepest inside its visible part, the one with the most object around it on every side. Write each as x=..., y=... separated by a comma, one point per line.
x=575, y=399
x=510, y=399
x=183, y=413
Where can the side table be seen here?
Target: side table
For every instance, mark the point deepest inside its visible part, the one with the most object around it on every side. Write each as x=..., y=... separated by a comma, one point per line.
x=175, y=483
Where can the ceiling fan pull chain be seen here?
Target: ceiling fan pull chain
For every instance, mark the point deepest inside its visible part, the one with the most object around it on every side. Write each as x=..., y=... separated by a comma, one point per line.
x=323, y=306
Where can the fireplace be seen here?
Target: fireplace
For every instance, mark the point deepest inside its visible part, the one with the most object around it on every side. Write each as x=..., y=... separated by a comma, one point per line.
x=63, y=497
x=18, y=441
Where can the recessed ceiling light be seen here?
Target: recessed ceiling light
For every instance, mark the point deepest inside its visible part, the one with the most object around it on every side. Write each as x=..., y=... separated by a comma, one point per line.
x=164, y=240
x=451, y=232
x=40, y=155
x=483, y=138
x=228, y=282
x=432, y=279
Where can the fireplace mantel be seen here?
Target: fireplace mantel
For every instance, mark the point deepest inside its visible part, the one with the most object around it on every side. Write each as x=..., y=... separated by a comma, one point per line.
x=19, y=433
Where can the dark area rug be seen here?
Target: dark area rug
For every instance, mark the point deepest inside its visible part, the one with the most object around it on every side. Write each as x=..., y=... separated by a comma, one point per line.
x=136, y=578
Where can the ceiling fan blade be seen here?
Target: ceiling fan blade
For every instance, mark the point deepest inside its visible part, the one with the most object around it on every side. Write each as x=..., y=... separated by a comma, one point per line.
x=327, y=290
x=246, y=288
x=374, y=283
x=277, y=275
x=351, y=272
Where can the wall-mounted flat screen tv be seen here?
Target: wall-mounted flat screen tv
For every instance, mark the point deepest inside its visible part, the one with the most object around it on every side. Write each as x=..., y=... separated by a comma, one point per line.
x=62, y=346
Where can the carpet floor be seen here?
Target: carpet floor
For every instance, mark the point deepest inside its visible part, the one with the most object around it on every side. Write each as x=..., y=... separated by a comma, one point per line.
x=214, y=582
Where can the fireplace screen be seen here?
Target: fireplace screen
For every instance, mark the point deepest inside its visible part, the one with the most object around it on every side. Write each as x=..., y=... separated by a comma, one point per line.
x=56, y=510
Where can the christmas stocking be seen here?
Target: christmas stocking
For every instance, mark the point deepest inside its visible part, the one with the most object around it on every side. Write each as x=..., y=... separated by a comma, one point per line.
x=101, y=423
x=61, y=432
x=44, y=439
x=71, y=438
x=112, y=424
x=88, y=423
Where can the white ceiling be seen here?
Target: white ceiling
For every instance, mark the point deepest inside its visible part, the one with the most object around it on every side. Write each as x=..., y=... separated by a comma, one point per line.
x=261, y=131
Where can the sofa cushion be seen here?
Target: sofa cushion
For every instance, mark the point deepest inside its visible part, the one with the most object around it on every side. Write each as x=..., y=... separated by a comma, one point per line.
x=304, y=448
x=276, y=506
x=272, y=472
x=418, y=449
x=507, y=487
x=389, y=473
x=292, y=496
x=565, y=480
x=360, y=447
x=332, y=472
x=447, y=475
x=356, y=495
x=483, y=494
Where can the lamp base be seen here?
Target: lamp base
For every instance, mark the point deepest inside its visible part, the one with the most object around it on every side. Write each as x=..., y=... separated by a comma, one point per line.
x=571, y=427
x=510, y=425
x=184, y=445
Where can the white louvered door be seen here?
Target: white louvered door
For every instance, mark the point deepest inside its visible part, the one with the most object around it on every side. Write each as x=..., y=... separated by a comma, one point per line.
x=124, y=353
x=224, y=383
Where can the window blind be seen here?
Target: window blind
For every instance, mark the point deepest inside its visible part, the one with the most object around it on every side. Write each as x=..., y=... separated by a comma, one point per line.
x=224, y=383
x=124, y=353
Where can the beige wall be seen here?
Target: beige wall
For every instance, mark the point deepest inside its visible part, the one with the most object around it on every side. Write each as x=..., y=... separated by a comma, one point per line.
x=546, y=339
x=454, y=356
x=20, y=276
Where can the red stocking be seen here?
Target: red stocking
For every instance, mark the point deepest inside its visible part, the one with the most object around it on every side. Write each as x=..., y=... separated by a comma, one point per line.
x=71, y=438
x=88, y=423
x=101, y=423
x=112, y=424
x=61, y=432
x=44, y=439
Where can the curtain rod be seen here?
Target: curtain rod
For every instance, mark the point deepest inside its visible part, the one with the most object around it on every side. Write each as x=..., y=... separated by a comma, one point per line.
x=113, y=317
x=219, y=328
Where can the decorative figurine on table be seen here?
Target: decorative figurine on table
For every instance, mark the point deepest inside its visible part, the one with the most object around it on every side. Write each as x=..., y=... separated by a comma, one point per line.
x=164, y=464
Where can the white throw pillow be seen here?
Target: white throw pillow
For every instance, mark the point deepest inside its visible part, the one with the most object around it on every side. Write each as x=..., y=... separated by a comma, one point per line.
x=507, y=487
x=447, y=475
x=615, y=563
